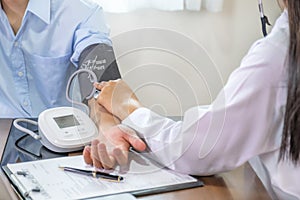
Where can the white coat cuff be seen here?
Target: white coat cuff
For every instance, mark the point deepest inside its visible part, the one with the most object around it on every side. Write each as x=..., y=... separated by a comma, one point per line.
x=140, y=120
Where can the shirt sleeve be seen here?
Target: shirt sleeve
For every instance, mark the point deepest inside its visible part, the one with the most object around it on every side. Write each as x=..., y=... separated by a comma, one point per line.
x=92, y=30
x=241, y=123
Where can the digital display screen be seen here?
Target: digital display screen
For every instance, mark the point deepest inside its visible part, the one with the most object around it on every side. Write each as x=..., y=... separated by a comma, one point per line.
x=66, y=121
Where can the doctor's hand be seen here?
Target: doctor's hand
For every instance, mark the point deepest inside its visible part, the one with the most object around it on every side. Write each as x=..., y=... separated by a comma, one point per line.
x=117, y=98
x=112, y=147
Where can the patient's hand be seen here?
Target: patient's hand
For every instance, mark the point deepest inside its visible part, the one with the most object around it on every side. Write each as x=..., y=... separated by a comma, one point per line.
x=112, y=147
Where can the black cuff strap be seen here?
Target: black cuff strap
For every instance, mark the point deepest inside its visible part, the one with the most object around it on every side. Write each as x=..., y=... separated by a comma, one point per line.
x=100, y=59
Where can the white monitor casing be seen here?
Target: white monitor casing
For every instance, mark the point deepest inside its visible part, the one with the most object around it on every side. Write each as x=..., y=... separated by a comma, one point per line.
x=66, y=129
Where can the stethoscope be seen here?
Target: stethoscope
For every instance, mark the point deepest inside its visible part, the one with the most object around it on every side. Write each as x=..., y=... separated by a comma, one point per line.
x=263, y=18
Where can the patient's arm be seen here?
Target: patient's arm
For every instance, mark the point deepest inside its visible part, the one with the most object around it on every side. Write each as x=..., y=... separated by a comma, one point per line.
x=101, y=117
x=112, y=145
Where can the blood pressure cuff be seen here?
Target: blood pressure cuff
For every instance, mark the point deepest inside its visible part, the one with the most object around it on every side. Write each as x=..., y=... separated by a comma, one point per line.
x=100, y=59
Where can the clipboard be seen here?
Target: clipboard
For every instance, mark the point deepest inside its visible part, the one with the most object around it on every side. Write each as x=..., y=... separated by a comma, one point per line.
x=43, y=179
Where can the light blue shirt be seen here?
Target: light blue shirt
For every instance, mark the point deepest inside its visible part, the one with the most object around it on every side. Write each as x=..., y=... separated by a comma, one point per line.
x=36, y=63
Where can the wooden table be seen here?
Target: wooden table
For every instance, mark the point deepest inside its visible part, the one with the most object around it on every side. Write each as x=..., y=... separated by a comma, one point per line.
x=241, y=183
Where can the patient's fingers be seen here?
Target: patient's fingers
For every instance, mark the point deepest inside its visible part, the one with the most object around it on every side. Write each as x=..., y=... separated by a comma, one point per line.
x=121, y=156
x=108, y=162
x=87, y=155
x=95, y=155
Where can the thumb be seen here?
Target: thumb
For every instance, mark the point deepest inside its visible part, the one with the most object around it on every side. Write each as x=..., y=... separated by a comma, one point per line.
x=137, y=143
x=133, y=139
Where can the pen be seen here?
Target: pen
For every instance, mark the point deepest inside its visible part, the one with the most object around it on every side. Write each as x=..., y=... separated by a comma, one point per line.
x=95, y=174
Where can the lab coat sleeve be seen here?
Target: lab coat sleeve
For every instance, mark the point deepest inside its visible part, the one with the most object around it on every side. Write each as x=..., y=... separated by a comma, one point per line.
x=240, y=123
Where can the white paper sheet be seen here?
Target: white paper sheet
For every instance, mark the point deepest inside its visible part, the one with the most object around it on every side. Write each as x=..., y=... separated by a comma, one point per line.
x=55, y=183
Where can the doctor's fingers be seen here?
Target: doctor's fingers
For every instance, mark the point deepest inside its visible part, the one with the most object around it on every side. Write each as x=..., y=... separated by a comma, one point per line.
x=100, y=85
x=103, y=84
x=107, y=161
x=105, y=96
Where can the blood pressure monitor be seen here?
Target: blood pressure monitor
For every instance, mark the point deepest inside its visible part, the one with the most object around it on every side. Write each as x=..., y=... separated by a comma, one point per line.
x=62, y=129
x=66, y=128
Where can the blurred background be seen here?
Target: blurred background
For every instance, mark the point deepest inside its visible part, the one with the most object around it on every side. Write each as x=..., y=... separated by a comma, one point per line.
x=182, y=58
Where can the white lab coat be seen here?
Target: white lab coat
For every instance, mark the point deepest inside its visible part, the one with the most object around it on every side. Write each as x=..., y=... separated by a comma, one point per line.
x=244, y=123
